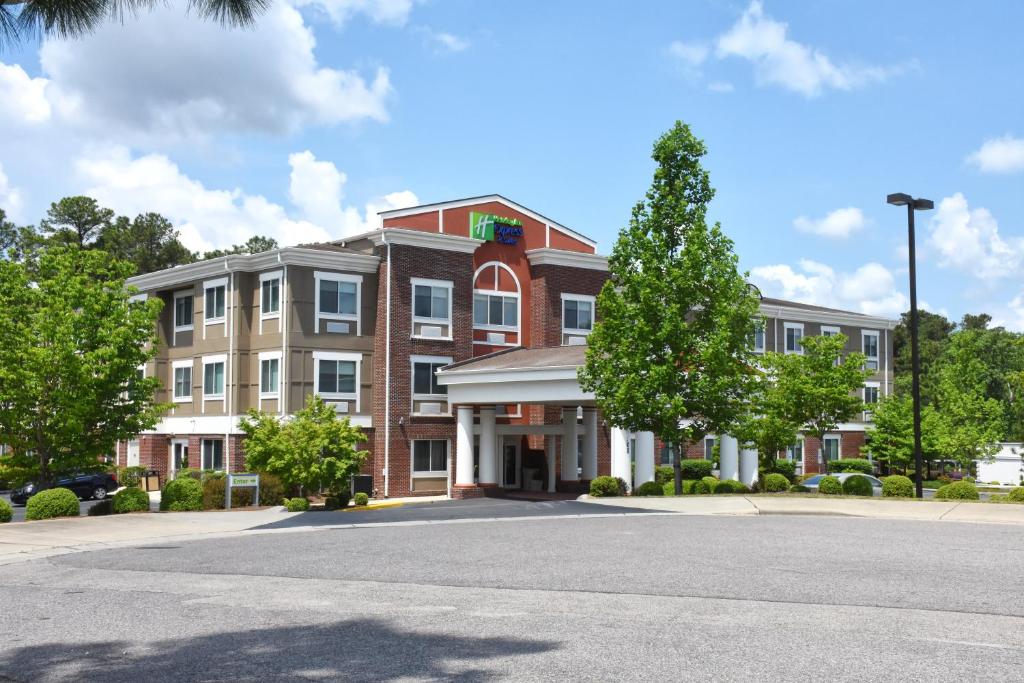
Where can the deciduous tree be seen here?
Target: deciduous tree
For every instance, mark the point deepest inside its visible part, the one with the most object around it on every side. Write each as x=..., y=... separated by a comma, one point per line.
x=150, y=242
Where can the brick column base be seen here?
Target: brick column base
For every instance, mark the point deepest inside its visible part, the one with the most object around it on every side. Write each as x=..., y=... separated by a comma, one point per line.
x=465, y=492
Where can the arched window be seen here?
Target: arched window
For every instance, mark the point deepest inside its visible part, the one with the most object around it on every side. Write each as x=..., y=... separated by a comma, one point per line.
x=497, y=305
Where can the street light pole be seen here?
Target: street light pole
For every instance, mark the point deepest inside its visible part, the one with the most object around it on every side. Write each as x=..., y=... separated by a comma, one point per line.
x=901, y=199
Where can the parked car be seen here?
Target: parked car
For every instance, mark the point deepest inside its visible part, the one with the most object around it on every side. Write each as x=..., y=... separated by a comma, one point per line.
x=97, y=486
x=876, y=484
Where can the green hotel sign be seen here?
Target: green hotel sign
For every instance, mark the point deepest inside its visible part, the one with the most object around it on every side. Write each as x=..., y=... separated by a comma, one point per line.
x=501, y=229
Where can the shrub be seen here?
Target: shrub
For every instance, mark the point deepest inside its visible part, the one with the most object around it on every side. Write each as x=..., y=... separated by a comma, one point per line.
x=331, y=503
x=858, y=485
x=52, y=503
x=729, y=486
x=296, y=504
x=182, y=495
x=687, y=485
x=830, y=486
x=961, y=490
x=775, y=483
x=786, y=468
x=362, y=499
x=664, y=474
x=189, y=473
x=5, y=512
x=214, y=490
x=650, y=488
x=131, y=500
x=603, y=487
x=897, y=486
x=1016, y=495
x=851, y=465
x=704, y=485
x=130, y=476
x=695, y=469
x=271, y=489
x=799, y=488
x=623, y=486
x=102, y=509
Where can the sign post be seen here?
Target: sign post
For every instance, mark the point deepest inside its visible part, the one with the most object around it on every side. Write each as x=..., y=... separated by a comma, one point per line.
x=249, y=481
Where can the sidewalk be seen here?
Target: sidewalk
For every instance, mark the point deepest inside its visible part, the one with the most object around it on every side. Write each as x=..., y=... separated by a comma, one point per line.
x=882, y=508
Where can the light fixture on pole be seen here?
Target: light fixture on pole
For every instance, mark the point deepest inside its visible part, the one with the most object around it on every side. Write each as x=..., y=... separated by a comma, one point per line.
x=902, y=199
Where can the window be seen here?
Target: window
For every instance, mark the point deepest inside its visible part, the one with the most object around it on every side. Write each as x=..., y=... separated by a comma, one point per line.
x=668, y=454
x=869, y=344
x=213, y=454
x=337, y=297
x=794, y=334
x=796, y=452
x=132, y=454
x=270, y=297
x=424, y=378
x=270, y=376
x=577, y=313
x=182, y=381
x=183, y=312
x=430, y=458
x=213, y=379
x=336, y=376
x=495, y=310
x=759, y=336
x=829, y=330
x=431, y=301
x=214, y=302
x=830, y=448
x=709, y=448
x=870, y=399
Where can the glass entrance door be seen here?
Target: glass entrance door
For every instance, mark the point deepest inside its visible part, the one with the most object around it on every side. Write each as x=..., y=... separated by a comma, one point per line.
x=179, y=456
x=510, y=465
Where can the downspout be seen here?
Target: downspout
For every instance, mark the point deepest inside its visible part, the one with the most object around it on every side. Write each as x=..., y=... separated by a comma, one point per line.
x=283, y=389
x=387, y=369
x=229, y=327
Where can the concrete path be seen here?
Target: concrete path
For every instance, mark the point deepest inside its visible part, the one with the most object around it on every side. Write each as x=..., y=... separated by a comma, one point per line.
x=883, y=508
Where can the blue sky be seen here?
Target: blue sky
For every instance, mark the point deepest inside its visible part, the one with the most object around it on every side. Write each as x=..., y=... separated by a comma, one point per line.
x=333, y=109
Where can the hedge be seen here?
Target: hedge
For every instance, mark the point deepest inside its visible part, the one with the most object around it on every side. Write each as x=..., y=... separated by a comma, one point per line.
x=786, y=468
x=897, y=486
x=799, y=488
x=101, y=509
x=704, y=485
x=695, y=469
x=271, y=489
x=851, y=465
x=362, y=499
x=1016, y=495
x=5, y=512
x=830, y=486
x=670, y=487
x=664, y=474
x=189, y=473
x=604, y=486
x=858, y=485
x=775, y=483
x=182, y=495
x=130, y=476
x=130, y=500
x=296, y=504
x=650, y=488
x=961, y=490
x=52, y=503
x=215, y=490
x=730, y=486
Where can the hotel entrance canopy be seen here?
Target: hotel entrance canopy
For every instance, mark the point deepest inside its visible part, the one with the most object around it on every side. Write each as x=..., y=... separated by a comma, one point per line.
x=544, y=376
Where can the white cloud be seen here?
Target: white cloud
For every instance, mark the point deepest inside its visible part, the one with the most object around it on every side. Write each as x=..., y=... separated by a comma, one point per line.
x=692, y=54
x=999, y=155
x=870, y=289
x=10, y=198
x=839, y=224
x=447, y=42
x=22, y=98
x=969, y=240
x=779, y=60
x=721, y=86
x=394, y=12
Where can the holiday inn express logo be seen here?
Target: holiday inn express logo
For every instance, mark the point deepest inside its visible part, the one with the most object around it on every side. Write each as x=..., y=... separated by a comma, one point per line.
x=501, y=229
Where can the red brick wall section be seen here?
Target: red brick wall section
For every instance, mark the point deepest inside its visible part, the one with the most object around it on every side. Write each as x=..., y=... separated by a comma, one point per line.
x=549, y=283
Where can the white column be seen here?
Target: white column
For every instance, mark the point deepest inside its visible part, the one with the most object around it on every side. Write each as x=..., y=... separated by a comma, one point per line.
x=549, y=448
x=728, y=458
x=464, y=447
x=488, y=459
x=570, y=451
x=589, y=443
x=644, y=457
x=620, y=455
x=748, y=466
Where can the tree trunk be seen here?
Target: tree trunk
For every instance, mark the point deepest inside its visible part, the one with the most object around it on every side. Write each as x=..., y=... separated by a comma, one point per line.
x=824, y=455
x=677, y=467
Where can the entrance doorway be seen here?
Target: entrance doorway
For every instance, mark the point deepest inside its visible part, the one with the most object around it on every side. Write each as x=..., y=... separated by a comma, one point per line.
x=179, y=456
x=511, y=466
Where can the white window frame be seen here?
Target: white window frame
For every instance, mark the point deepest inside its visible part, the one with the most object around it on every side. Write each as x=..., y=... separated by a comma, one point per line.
x=318, y=277
x=181, y=294
x=430, y=474
x=210, y=360
x=207, y=286
x=499, y=328
x=128, y=448
x=413, y=360
x=864, y=334
x=271, y=315
x=704, y=445
x=443, y=284
x=178, y=365
x=336, y=356
x=223, y=454
x=877, y=386
x=789, y=451
x=786, y=327
x=838, y=438
x=829, y=330
x=764, y=335
x=266, y=356
x=576, y=331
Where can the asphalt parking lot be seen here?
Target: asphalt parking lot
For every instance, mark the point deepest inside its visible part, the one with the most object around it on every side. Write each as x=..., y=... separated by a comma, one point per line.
x=19, y=510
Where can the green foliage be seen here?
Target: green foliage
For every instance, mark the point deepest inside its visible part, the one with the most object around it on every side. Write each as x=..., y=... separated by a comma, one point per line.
x=101, y=509
x=650, y=488
x=75, y=222
x=271, y=489
x=314, y=449
x=182, y=495
x=672, y=345
x=603, y=487
x=52, y=503
x=730, y=486
x=71, y=343
x=362, y=499
x=830, y=486
x=6, y=513
x=775, y=483
x=189, y=473
x=695, y=469
x=131, y=500
x=799, y=488
x=254, y=245
x=852, y=465
x=857, y=485
x=890, y=439
x=149, y=242
x=961, y=490
x=897, y=486
x=669, y=487
x=664, y=474
x=934, y=331
x=215, y=493
x=1016, y=495
x=705, y=485
x=296, y=504
x=786, y=468
x=130, y=476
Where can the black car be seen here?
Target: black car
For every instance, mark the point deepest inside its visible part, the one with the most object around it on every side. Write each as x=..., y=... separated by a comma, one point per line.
x=85, y=486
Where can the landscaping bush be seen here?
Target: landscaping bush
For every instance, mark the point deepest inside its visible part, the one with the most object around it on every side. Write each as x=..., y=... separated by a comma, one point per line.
x=130, y=476
x=897, y=486
x=101, y=509
x=52, y=503
x=830, y=486
x=961, y=490
x=130, y=500
x=730, y=486
x=1016, y=495
x=271, y=489
x=786, y=468
x=296, y=504
x=650, y=488
x=687, y=485
x=215, y=488
x=851, y=465
x=704, y=485
x=695, y=469
x=664, y=474
x=858, y=485
x=603, y=487
x=5, y=512
x=799, y=488
x=182, y=495
x=775, y=483
x=362, y=499
x=189, y=473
